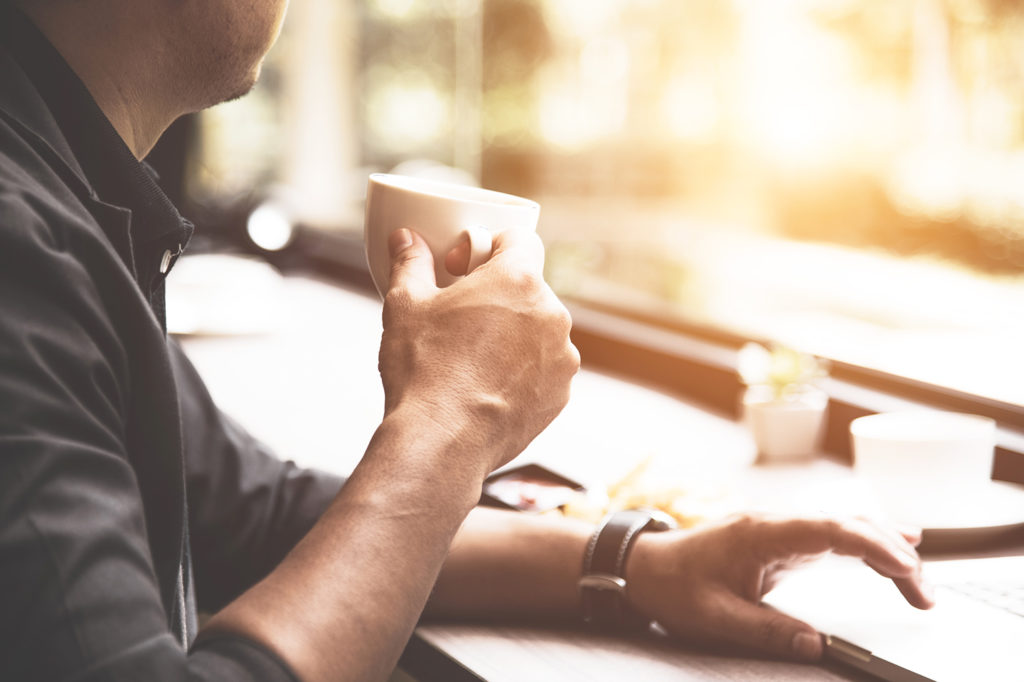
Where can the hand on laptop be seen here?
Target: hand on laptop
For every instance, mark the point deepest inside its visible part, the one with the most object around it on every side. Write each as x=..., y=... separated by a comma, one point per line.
x=706, y=586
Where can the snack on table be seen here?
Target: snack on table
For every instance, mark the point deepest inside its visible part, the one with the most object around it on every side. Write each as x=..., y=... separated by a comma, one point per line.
x=689, y=504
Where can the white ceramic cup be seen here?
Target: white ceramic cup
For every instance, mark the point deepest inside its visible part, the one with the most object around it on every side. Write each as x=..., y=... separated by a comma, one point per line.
x=443, y=214
x=925, y=467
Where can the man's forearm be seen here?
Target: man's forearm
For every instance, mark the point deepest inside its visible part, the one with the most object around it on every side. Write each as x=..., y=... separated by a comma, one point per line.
x=505, y=564
x=343, y=603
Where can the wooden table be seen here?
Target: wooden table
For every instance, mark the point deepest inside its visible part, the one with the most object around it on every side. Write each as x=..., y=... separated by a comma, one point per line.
x=305, y=381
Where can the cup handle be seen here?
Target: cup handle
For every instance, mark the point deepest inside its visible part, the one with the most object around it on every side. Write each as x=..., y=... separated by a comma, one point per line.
x=480, y=246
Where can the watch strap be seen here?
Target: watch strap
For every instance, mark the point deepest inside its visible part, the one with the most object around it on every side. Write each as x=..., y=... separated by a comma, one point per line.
x=603, y=584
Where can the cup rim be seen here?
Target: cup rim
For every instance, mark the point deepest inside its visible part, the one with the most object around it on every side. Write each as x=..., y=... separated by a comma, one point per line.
x=444, y=190
x=965, y=426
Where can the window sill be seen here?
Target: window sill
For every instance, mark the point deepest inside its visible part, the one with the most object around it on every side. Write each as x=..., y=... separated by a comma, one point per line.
x=705, y=370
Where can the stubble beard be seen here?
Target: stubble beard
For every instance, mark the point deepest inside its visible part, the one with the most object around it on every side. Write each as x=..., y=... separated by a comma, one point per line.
x=217, y=71
x=244, y=87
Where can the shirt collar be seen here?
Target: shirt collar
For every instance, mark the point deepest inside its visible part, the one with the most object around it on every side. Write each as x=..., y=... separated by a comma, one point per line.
x=109, y=167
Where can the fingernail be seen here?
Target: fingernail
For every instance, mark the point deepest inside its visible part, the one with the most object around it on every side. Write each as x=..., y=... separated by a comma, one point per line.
x=807, y=645
x=399, y=241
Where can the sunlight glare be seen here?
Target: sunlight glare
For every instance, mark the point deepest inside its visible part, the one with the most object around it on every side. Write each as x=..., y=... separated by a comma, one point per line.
x=692, y=110
x=581, y=18
x=396, y=9
x=795, y=87
x=407, y=112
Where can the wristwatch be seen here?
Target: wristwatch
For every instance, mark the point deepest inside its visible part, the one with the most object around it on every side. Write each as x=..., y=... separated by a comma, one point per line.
x=602, y=586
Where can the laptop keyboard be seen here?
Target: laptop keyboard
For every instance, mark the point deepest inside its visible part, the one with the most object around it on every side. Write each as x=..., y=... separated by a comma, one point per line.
x=1006, y=596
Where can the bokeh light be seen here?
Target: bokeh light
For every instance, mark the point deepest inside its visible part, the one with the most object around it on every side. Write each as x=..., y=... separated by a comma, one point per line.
x=786, y=168
x=404, y=109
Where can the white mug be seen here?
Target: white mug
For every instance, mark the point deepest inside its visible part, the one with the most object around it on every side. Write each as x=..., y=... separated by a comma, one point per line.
x=927, y=468
x=443, y=214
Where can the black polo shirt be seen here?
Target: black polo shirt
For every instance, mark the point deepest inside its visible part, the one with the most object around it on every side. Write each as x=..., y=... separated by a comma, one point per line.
x=125, y=495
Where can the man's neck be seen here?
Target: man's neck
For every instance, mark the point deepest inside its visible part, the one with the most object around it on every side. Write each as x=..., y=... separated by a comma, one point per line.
x=116, y=81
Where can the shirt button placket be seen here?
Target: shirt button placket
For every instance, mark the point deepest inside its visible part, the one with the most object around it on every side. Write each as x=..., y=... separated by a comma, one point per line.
x=167, y=258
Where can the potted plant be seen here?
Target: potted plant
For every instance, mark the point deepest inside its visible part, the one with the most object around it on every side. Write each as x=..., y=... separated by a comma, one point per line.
x=782, y=406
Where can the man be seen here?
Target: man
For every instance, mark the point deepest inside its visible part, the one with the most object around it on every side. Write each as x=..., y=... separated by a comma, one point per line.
x=126, y=498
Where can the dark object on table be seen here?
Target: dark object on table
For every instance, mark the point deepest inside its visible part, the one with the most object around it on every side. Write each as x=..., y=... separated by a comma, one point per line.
x=529, y=488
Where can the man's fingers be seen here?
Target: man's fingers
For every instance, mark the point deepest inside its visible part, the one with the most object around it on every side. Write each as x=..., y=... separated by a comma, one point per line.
x=903, y=536
x=916, y=591
x=888, y=553
x=519, y=248
x=412, y=264
x=456, y=262
x=766, y=630
x=911, y=534
x=783, y=540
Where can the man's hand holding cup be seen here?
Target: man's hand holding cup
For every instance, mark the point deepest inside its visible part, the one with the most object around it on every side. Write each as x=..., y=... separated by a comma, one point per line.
x=488, y=356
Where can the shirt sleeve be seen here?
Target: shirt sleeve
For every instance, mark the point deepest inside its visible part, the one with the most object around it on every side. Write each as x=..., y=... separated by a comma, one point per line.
x=247, y=508
x=79, y=598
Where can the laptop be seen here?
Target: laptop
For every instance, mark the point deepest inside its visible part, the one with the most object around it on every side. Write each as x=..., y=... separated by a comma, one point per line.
x=975, y=631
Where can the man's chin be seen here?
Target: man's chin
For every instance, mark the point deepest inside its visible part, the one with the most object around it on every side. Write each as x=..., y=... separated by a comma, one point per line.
x=240, y=93
x=245, y=87
x=235, y=90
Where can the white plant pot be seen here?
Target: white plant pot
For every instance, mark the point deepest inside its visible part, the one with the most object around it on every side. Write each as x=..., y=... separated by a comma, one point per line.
x=785, y=429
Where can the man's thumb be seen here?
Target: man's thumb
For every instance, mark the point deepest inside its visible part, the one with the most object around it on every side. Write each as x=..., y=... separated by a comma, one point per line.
x=765, y=629
x=412, y=264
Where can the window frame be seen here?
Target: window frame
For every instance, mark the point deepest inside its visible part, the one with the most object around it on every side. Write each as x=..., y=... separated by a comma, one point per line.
x=697, y=362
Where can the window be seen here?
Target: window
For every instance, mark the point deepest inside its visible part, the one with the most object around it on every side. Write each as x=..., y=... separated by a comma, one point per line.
x=845, y=176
